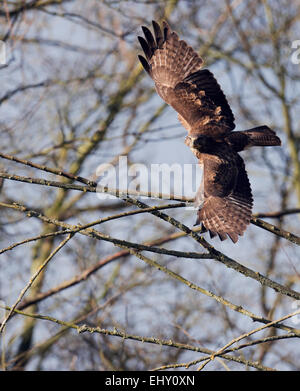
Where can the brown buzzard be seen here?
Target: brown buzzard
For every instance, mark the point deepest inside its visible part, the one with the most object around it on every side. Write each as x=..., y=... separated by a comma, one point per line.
x=224, y=199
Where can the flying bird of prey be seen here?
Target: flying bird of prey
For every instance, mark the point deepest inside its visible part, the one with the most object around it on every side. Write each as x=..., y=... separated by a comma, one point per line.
x=224, y=199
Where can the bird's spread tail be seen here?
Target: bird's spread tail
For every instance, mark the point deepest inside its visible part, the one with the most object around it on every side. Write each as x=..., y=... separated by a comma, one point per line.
x=259, y=136
x=262, y=136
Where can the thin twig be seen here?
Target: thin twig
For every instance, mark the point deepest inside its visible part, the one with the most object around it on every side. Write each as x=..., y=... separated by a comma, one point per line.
x=277, y=214
x=275, y=230
x=151, y=340
x=32, y=279
x=124, y=194
x=235, y=340
x=92, y=189
x=97, y=222
x=218, y=256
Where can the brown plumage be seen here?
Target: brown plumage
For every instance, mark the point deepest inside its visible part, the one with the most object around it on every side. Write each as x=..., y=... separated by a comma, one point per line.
x=224, y=198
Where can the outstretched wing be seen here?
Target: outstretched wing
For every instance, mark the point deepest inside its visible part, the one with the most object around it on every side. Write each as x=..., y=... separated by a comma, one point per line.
x=227, y=205
x=193, y=93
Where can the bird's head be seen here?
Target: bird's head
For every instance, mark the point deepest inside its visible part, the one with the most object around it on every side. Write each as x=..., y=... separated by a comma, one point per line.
x=201, y=143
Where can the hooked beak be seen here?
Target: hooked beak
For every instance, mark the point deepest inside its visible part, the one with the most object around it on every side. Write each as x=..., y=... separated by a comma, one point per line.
x=199, y=141
x=190, y=141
